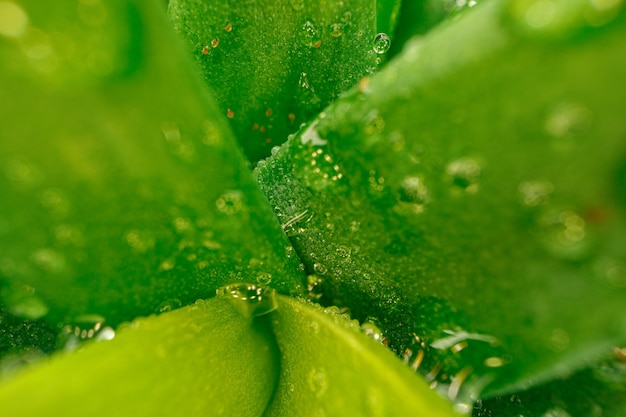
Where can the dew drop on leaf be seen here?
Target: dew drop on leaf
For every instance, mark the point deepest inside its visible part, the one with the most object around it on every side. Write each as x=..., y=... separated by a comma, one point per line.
x=310, y=35
x=382, y=43
x=465, y=173
x=251, y=300
x=318, y=382
x=264, y=278
x=168, y=305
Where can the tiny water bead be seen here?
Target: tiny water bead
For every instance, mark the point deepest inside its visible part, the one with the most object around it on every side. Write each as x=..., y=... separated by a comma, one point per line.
x=310, y=35
x=168, y=305
x=382, y=43
x=465, y=173
x=251, y=300
x=371, y=330
x=563, y=233
x=535, y=193
x=413, y=190
x=264, y=278
x=318, y=382
x=230, y=202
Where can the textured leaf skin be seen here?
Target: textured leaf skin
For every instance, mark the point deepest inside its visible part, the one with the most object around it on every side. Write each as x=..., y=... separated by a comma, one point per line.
x=123, y=191
x=328, y=367
x=275, y=64
x=203, y=359
x=471, y=205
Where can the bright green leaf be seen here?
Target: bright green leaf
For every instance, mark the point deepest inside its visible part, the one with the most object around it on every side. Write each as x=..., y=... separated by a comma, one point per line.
x=204, y=359
x=470, y=197
x=275, y=64
x=123, y=192
x=329, y=368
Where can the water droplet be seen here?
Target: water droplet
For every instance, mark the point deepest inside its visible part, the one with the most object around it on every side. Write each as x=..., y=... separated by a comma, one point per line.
x=167, y=265
x=168, y=305
x=336, y=29
x=212, y=136
x=250, y=299
x=413, y=191
x=264, y=278
x=343, y=252
x=535, y=193
x=230, y=202
x=309, y=35
x=465, y=173
x=182, y=225
x=307, y=93
x=183, y=149
x=318, y=382
x=567, y=120
x=319, y=268
x=382, y=43
x=49, y=261
x=314, y=287
x=374, y=123
x=140, y=241
x=13, y=20
x=563, y=234
x=372, y=331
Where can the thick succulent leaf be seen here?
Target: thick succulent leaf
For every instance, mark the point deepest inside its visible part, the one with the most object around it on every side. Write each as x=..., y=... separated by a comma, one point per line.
x=330, y=368
x=203, y=359
x=596, y=391
x=123, y=192
x=470, y=196
x=275, y=64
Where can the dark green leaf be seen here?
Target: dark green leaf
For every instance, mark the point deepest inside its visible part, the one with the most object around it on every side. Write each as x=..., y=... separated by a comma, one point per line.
x=204, y=359
x=470, y=197
x=275, y=64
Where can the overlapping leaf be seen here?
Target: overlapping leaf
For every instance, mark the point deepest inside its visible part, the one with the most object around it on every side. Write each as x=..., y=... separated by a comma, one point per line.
x=274, y=65
x=123, y=192
x=204, y=359
x=470, y=196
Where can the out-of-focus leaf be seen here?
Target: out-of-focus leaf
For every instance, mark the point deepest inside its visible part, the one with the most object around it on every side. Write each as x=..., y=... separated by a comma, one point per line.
x=470, y=196
x=203, y=359
x=275, y=64
x=596, y=391
x=329, y=367
x=123, y=192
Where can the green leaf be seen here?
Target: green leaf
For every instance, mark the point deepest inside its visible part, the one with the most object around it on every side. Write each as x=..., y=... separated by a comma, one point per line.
x=470, y=197
x=275, y=64
x=595, y=391
x=204, y=359
x=328, y=367
x=123, y=191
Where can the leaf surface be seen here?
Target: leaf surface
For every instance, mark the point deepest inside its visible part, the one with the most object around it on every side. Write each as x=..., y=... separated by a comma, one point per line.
x=123, y=191
x=275, y=64
x=203, y=359
x=328, y=367
x=470, y=197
